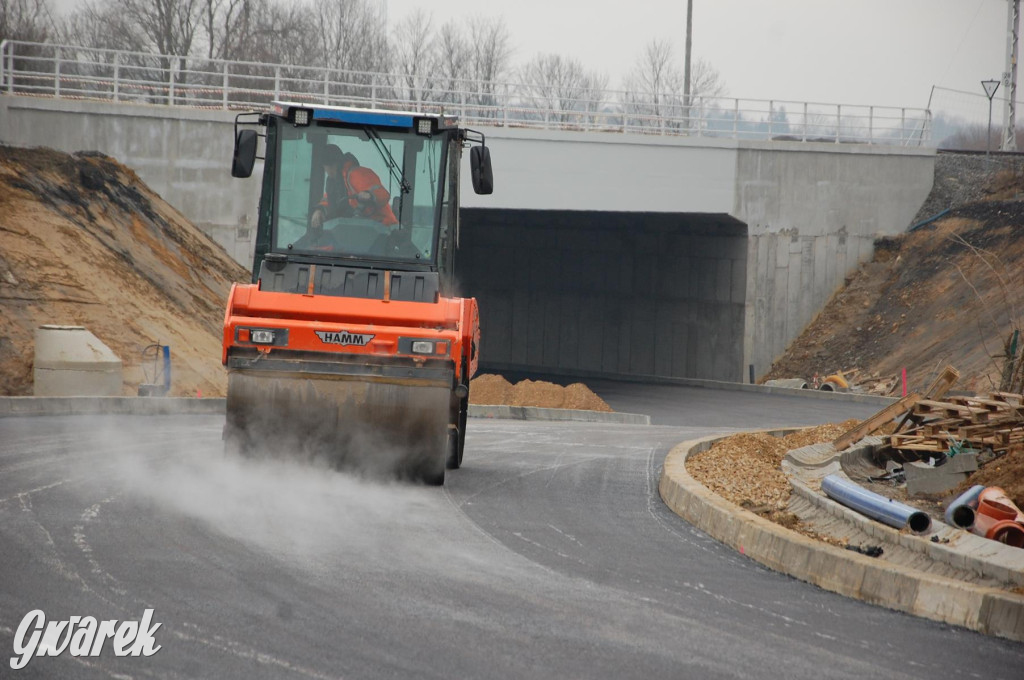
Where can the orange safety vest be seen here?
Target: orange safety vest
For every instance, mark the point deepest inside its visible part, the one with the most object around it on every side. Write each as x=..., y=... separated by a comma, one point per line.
x=358, y=179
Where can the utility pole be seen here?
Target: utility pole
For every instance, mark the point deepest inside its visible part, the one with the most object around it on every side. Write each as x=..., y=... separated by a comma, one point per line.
x=1009, y=136
x=686, y=65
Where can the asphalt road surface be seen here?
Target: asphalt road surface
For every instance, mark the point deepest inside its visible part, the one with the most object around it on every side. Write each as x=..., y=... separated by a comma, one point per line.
x=549, y=555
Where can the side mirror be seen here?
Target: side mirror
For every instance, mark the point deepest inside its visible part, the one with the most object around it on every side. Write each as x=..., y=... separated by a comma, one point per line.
x=480, y=166
x=245, y=153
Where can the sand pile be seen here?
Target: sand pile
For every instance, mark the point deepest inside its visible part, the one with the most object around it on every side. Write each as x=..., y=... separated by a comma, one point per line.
x=494, y=390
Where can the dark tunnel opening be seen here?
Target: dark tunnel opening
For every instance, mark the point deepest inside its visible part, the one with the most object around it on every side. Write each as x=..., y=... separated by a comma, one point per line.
x=602, y=293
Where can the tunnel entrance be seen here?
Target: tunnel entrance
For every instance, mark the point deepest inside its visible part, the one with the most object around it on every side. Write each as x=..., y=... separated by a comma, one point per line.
x=607, y=293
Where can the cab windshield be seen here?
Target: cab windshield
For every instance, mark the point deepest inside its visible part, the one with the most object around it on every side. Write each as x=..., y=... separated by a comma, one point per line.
x=358, y=192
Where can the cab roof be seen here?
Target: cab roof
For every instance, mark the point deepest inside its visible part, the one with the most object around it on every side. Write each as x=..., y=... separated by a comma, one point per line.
x=359, y=116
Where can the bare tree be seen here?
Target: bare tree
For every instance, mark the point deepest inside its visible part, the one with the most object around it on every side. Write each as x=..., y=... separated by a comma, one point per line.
x=169, y=26
x=264, y=33
x=490, y=56
x=94, y=28
x=453, y=68
x=654, y=87
x=553, y=83
x=654, y=94
x=227, y=25
x=101, y=24
x=277, y=32
x=351, y=35
x=145, y=27
x=415, y=57
x=27, y=20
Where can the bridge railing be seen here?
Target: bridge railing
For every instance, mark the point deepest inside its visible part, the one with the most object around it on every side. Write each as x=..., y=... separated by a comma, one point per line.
x=65, y=71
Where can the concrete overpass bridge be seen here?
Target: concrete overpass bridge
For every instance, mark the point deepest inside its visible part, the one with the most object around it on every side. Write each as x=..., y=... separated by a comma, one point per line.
x=673, y=256
x=603, y=251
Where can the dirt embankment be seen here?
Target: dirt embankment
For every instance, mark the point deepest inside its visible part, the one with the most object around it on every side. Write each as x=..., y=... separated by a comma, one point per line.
x=84, y=242
x=948, y=292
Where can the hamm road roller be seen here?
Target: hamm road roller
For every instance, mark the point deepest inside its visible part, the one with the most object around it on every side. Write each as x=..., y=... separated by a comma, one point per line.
x=350, y=345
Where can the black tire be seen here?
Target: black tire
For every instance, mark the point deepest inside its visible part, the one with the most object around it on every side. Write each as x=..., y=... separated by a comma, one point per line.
x=432, y=472
x=457, y=436
x=453, y=460
x=463, y=418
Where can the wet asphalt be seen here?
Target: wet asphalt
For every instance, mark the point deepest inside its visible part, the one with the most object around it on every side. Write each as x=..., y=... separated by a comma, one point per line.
x=548, y=555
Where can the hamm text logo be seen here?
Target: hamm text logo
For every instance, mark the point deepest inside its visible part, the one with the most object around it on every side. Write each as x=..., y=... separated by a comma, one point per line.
x=82, y=636
x=344, y=338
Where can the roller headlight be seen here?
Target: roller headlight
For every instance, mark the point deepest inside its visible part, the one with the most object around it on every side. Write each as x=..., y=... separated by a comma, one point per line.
x=422, y=347
x=262, y=337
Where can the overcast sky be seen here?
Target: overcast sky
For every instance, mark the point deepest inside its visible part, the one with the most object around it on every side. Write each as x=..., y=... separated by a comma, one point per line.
x=878, y=52
x=882, y=52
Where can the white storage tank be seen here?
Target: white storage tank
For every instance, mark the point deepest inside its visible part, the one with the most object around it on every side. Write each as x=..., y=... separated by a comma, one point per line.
x=72, y=362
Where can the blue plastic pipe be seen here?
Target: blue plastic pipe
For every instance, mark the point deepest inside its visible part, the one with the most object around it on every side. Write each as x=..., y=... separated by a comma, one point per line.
x=885, y=510
x=167, y=368
x=960, y=513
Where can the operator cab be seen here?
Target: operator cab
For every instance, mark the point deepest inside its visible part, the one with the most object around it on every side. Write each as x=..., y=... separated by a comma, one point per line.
x=412, y=226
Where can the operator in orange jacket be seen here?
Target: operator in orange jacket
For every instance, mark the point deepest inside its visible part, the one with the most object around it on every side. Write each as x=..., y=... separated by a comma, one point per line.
x=351, y=190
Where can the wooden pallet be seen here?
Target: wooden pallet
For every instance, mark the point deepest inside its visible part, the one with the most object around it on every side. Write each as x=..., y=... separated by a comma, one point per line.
x=930, y=423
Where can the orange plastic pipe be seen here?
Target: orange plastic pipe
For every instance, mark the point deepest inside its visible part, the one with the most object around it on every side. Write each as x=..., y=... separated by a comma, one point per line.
x=994, y=502
x=1003, y=530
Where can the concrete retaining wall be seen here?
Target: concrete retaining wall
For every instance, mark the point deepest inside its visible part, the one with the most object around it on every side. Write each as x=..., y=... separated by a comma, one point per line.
x=183, y=154
x=813, y=212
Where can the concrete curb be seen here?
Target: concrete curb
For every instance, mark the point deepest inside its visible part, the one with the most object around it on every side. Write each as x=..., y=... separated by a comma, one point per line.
x=153, y=406
x=851, y=397
x=558, y=414
x=987, y=610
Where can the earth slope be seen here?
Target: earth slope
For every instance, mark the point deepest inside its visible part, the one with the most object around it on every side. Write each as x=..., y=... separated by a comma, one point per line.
x=84, y=242
x=951, y=291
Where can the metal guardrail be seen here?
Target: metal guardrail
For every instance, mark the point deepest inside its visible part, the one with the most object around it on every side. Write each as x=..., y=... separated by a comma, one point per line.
x=65, y=71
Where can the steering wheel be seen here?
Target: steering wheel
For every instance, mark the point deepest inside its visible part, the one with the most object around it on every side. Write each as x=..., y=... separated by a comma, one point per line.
x=398, y=243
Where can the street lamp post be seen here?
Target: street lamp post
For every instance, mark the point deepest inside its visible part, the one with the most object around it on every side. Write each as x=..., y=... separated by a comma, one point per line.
x=990, y=91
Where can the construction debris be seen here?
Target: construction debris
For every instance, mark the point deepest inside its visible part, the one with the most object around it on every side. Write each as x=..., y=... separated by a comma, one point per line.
x=938, y=475
x=791, y=383
x=943, y=440
x=850, y=380
x=988, y=512
x=994, y=421
x=837, y=382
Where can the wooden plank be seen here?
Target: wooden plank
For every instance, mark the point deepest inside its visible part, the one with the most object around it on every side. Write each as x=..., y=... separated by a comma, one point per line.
x=949, y=410
x=943, y=383
x=980, y=402
x=934, y=448
x=875, y=422
x=900, y=442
